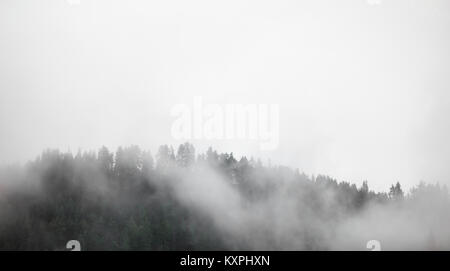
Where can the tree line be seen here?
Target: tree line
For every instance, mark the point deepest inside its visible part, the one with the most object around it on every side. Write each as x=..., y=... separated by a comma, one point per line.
x=119, y=201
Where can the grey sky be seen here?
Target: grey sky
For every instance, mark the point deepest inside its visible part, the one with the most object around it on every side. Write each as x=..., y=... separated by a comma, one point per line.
x=363, y=89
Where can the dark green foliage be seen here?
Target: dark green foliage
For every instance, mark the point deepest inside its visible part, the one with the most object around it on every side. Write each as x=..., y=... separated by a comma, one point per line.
x=120, y=202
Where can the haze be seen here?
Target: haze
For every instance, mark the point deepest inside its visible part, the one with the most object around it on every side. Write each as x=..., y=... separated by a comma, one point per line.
x=362, y=86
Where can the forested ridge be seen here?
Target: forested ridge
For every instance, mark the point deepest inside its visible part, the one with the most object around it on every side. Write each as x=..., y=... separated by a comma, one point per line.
x=180, y=200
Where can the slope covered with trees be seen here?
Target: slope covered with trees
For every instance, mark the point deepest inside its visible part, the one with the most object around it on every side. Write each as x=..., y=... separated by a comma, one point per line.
x=130, y=200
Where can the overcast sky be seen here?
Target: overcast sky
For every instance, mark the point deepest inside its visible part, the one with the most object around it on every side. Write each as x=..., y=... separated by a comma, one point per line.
x=362, y=85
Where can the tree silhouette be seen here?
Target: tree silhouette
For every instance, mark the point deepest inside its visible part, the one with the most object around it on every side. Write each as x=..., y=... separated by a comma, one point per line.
x=123, y=201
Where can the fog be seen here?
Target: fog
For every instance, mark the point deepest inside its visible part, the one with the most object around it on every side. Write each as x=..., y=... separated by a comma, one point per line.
x=359, y=90
x=287, y=221
x=362, y=86
x=212, y=201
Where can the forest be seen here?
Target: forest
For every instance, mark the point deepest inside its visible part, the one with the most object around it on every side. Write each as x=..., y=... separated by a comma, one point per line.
x=181, y=200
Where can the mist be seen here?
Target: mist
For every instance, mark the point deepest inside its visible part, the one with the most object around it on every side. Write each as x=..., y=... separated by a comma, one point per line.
x=362, y=85
x=329, y=121
x=185, y=200
x=286, y=220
